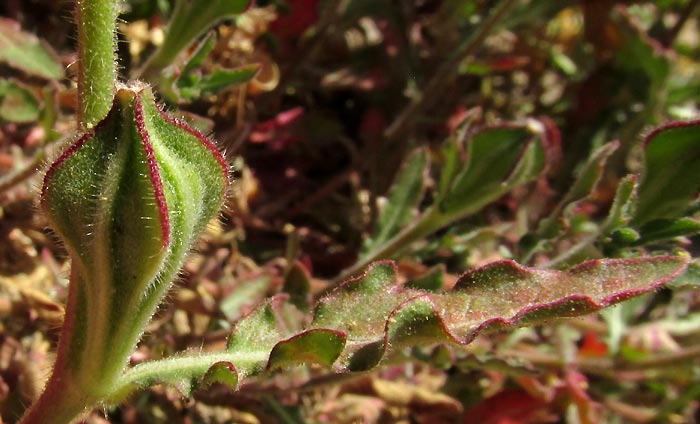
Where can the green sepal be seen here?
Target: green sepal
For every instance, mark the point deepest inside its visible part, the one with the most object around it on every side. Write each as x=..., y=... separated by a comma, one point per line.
x=128, y=199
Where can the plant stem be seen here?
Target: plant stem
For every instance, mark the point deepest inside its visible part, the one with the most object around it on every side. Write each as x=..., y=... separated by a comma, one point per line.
x=180, y=368
x=609, y=366
x=97, y=69
x=63, y=398
x=69, y=393
x=672, y=34
x=60, y=403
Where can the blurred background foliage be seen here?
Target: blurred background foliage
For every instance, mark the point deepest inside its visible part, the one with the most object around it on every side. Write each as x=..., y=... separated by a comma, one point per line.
x=322, y=106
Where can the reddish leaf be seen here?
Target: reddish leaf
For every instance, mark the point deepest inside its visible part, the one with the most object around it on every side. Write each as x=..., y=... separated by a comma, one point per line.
x=508, y=407
x=380, y=316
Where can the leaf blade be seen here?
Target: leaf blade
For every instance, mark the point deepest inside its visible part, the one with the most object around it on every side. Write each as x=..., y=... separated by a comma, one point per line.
x=404, y=196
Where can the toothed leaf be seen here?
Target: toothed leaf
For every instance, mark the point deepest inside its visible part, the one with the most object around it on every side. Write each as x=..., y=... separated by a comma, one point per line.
x=370, y=318
x=379, y=316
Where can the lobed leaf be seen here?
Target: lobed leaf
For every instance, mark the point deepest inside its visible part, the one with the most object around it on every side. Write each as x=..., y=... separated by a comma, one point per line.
x=370, y=318
x=380, y=317
x=262, y=340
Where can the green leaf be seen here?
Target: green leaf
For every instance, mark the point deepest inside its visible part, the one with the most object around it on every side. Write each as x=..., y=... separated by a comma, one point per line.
x=297, y=283
x=200, y=53
x=248, y=292
x=368, y=319
x=589, y=175
x=403, y=199
x=498, y=159
x=190, y=20
x=690, y=279
x=258, y=333
x=190, y=86
x=222, y=372
x=448, y=167
x=380, y=317
x=17, y=104
x=586, y=179
x=319, y=346
x=221, y=79
x=624, y=204
x=23, y=51
x=672, y=172
x=432, y=281
x=639, y=52
x=663, y=229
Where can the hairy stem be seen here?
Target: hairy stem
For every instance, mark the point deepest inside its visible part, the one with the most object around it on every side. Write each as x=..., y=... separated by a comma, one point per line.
x=60, y=403
x=63, y=398
x=97, y=69
x=180, y=368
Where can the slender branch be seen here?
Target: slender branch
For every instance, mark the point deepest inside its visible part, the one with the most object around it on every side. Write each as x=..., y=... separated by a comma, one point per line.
x=445, y=73
x=670, y=37
x=97, y=69
x=607, y=365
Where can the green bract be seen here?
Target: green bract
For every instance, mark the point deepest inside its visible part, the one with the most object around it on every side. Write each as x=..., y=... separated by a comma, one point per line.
x=127, y=198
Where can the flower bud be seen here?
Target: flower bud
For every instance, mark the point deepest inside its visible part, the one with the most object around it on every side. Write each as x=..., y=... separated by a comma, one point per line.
x=128, y=199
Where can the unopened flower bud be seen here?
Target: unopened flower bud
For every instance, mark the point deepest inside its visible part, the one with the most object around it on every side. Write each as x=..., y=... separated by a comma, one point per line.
x=128, y=199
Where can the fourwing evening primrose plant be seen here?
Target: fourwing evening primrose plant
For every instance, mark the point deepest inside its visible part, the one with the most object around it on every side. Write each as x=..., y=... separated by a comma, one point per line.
x=506, y=224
